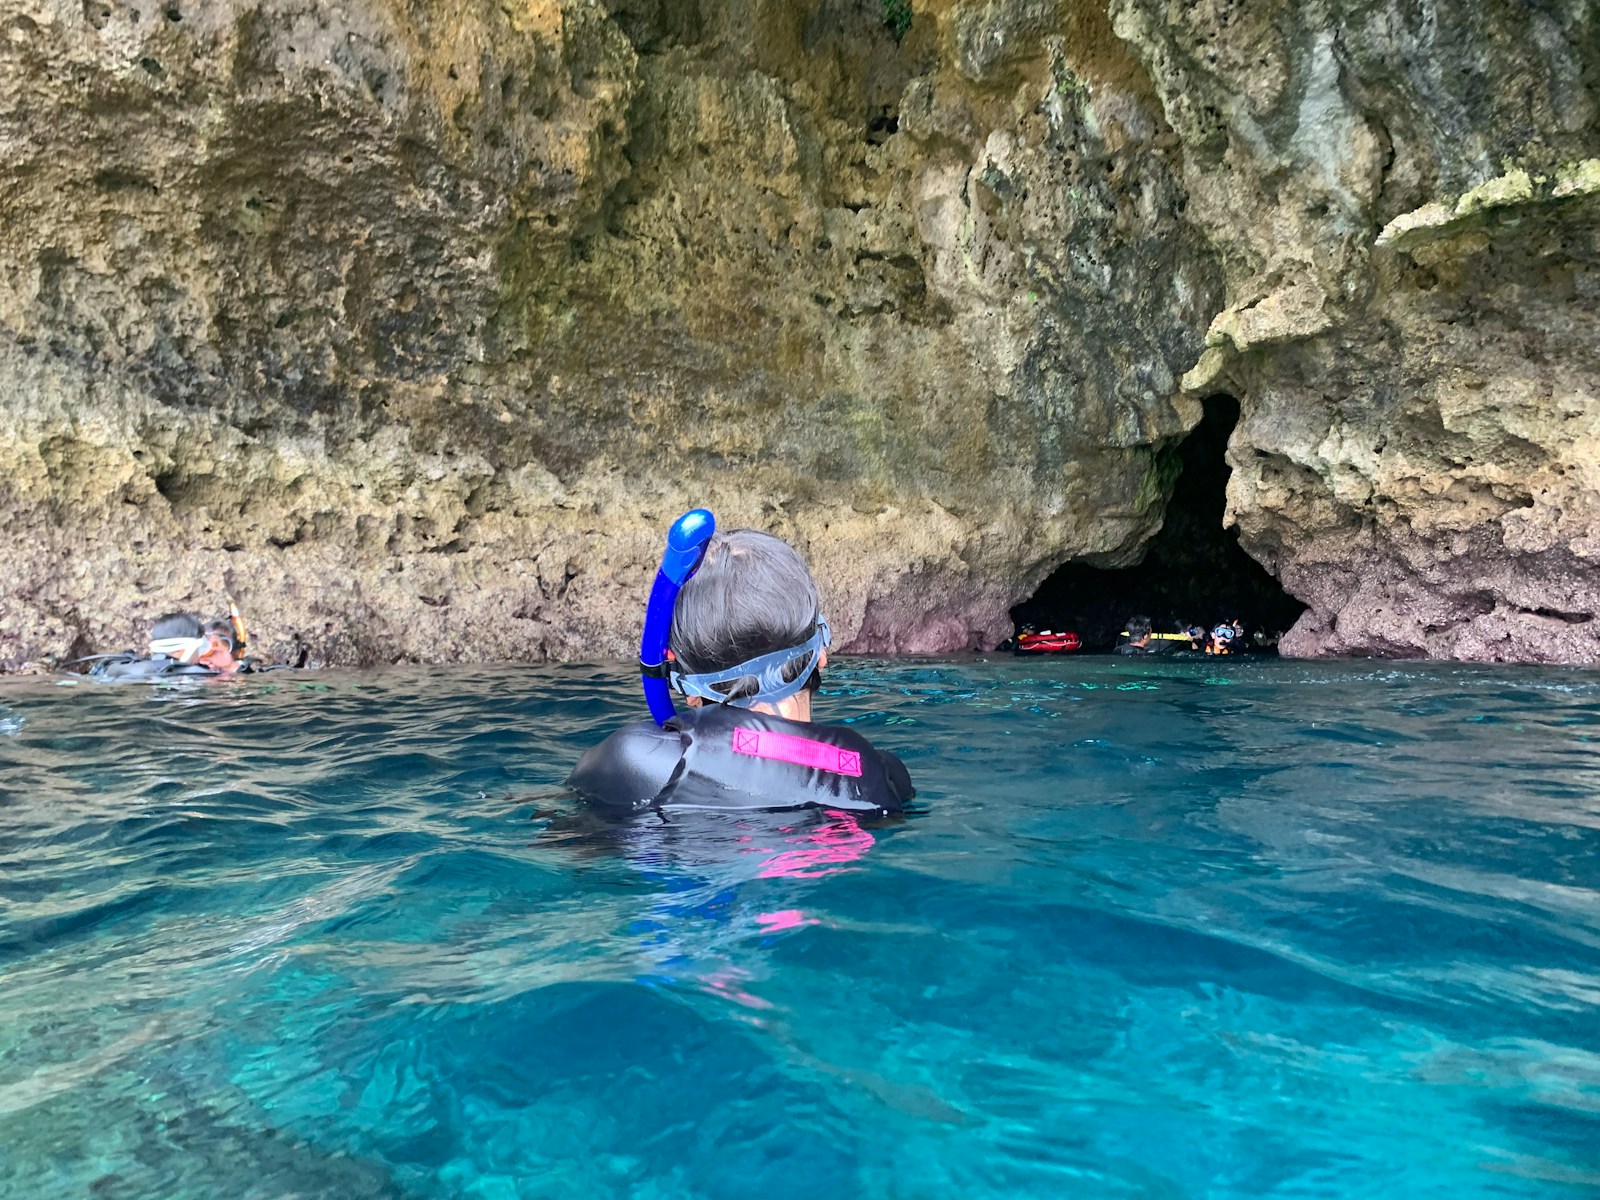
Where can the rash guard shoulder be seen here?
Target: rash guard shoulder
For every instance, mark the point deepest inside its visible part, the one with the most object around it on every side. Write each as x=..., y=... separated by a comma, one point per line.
x=627, y=772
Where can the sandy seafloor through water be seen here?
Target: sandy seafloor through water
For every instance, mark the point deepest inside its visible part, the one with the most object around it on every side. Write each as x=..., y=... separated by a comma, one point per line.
x=1158, y=929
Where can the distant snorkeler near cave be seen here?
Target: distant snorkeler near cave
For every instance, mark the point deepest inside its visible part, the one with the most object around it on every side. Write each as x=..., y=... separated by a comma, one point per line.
x=1138, y=638
x=734, y=625
x=181, y=646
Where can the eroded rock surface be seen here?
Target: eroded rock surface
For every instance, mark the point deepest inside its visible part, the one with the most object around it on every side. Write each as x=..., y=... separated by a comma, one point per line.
x=1411, y=323
x=1428, y=477
x=414, y=321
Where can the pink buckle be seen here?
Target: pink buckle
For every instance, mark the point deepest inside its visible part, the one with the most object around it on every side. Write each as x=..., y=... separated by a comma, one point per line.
x=802, y=752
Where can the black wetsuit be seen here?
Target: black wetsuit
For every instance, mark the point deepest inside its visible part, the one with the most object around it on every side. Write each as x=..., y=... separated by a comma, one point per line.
x=138, y=667
x=1150, y=647
x=721, y=757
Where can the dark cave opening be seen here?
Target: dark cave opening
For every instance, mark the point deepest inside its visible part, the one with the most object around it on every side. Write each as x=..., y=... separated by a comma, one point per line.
x=1193, y=571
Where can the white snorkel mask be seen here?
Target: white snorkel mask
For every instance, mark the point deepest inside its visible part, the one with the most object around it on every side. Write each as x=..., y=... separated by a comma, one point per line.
x=768, y=670
x=185, y=650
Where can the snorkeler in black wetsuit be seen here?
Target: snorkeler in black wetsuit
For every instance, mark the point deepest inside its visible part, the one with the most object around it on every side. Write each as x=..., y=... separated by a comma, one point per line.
x=1139, y=639
x=180, y=646
x=747, y=646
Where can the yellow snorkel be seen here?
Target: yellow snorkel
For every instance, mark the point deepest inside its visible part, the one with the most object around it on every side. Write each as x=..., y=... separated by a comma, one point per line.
x=236, y=619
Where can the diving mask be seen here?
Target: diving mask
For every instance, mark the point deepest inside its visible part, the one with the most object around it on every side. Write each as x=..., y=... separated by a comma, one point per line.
x=768, y=670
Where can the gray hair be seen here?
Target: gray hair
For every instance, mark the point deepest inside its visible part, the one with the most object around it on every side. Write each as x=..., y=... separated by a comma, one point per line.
x=752, y=595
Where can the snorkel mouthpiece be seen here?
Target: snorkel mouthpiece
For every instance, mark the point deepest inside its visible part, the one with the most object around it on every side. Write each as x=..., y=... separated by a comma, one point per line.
x=686, y=545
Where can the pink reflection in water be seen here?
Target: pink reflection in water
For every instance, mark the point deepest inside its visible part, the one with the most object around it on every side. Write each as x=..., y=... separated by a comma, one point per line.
x=821, y=852
x=788, y=918
x=729, y=983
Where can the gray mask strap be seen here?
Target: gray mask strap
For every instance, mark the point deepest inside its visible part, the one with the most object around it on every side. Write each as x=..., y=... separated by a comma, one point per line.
x=768, y=670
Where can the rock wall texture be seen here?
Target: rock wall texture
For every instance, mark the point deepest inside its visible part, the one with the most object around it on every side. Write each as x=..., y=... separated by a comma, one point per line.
x=1412, y=313
x=413, y=322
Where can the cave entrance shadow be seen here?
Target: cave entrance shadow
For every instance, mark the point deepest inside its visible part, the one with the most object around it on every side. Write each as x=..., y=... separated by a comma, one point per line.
x=1194, y=570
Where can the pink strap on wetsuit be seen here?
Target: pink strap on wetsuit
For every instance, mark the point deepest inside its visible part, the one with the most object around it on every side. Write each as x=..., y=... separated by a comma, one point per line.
x=802, y=752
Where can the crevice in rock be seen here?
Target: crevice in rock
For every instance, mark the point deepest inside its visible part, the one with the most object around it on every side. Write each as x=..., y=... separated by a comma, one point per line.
x=109, y=179
x=655, y=28
x=170, y=485
x=882, y=124
x=1556, y=614
x=1194, y=570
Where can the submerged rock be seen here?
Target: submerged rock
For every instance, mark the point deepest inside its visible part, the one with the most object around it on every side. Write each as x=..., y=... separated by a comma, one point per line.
x=415, y=321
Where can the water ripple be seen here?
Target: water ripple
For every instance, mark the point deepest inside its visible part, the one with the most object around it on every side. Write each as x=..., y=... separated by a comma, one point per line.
x=1186, y=929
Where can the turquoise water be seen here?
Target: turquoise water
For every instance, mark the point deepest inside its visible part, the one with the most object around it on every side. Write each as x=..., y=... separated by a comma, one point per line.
x=1159, y=930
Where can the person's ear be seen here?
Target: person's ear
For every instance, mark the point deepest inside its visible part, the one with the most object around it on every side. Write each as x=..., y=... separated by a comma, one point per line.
x=823, y=661
x=694, y=701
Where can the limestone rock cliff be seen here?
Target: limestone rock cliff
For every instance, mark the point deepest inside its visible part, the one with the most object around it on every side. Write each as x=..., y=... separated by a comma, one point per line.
x=414, y=321
x=1412, y=314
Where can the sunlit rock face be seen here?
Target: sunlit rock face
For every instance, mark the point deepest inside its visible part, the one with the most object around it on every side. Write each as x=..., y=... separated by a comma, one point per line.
x=1427, y=475
x=414, y=323
x=1408, y=204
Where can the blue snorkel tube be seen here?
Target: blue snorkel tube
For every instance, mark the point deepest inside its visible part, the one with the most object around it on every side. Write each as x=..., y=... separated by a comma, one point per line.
x=686, y=545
